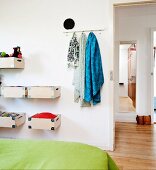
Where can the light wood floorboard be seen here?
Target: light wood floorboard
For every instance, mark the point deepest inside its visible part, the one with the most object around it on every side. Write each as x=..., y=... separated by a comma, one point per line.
x=135, y=146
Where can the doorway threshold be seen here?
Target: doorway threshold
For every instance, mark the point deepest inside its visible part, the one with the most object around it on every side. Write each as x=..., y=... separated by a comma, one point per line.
x=125, y=117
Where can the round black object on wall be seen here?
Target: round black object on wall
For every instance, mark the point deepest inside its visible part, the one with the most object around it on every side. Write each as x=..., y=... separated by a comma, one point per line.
x=69, y=24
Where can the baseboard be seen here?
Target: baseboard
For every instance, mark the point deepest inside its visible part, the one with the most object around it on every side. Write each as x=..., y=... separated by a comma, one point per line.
x=101, y=146
x=3, y=137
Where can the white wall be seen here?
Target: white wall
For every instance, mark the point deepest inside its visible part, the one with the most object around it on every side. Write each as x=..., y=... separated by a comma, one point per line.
x=123, y=70
x=155, y=66
x=135, y=23
x=133, y=59
x=37, y=26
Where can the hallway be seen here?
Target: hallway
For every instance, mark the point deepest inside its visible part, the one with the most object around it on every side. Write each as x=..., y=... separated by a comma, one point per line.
x=126, y=110
x=135, y=146
x=126, y=105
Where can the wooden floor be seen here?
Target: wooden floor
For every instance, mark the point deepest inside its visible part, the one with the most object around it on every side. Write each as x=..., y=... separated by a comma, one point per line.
x=135, y=146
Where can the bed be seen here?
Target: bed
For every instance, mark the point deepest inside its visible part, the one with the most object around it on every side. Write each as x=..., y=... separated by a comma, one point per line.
x=44, y=154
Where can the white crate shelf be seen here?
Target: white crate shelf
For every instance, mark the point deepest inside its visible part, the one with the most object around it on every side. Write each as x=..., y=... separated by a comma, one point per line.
x=44, y=123
x=43, y=91
x=11, y=62
x=13, y=91
x=12, y=122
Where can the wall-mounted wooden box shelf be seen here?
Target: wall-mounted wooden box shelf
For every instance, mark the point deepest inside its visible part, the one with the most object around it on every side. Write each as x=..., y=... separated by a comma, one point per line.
x=12, y=122
x=43, y=91
x=13, y=91
x=11, y=62
x=44, y=123
x=31, y=92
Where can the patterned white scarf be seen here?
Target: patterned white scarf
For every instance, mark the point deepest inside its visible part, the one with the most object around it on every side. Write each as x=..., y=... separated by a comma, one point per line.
x=73, y=52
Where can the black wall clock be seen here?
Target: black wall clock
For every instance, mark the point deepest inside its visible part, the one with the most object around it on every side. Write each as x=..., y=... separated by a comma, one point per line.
x=69, y=24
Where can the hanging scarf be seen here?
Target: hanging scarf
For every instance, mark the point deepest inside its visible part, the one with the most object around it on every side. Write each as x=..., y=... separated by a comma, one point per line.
x=79, y=74
x=73, y=52
x=83, y=40
x=94, y=77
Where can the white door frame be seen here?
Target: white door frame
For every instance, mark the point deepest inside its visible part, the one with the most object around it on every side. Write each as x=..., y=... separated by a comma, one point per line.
x=151, y=70
x=116, y=3
x=152, y=73
x=117, y=43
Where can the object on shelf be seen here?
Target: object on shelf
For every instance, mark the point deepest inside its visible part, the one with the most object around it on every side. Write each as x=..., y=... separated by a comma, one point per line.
x=17, y=52
x=11, y=119
x=43, y=91
x=4, y=54
x=45, y=121
x=11, y=62
x=13, y=91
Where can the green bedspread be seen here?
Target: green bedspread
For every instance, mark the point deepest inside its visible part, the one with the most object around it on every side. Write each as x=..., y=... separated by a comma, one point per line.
x=31, y=154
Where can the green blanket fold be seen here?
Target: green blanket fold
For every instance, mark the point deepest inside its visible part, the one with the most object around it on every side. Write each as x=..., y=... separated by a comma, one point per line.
x=33, y=154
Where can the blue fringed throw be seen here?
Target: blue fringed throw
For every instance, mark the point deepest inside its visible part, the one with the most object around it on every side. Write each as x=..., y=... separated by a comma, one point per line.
x=94, y=77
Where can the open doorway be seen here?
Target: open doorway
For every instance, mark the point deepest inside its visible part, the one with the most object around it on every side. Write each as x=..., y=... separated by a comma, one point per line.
x=126, y=102
x=135, y=22
x=127, y=78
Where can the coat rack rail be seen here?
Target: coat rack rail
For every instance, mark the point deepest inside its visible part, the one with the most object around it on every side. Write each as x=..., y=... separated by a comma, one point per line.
x=99, y=30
